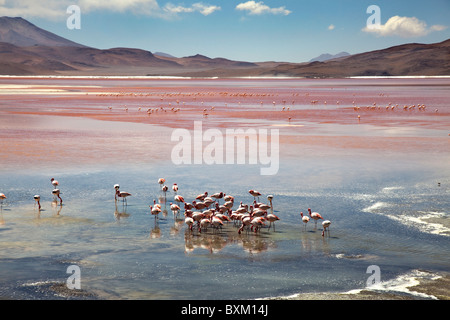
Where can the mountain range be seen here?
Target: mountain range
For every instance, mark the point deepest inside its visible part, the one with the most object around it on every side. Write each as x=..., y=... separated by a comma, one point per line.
x=26, y=49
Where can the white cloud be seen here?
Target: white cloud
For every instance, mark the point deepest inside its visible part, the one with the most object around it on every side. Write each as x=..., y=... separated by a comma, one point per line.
x=405, y=27
x=258, y=8
x=331, y=27
x=204, y=9
x=56, y=9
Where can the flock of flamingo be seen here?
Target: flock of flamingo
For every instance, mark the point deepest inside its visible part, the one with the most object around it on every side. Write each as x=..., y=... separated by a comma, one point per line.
x=206, y=211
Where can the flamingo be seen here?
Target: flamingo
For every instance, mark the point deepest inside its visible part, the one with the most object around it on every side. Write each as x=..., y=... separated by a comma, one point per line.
x=175, y=188
x=2, y=197
x=315, y=216
x=270, y=197
x=272, y=218
x=37, y=199
x=228, y=198
x=121, y=194
x=202, y=196
x=305, y=219
x=208, y=201
x=175, y=209
x=164, y=189
x=216, y=222
x=56, y=193
x=55, y=183
x=257, y=223
x=246, y=220
x=204, y=224
x=198, y=205
x=254, y=193
x=155, y=211
x=325, y=225
x=178, y=198
x=217, y=196
x=189, y=221
x=161, y=181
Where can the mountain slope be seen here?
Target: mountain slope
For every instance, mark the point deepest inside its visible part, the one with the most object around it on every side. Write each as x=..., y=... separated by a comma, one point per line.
x=28, y=50
x=22, y=33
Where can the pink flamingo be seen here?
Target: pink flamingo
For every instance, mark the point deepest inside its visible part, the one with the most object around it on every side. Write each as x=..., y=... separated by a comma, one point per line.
x=217, y=196
x=254, y=193
x=315, y=216
x=56, y=193
x=121, y=194
x=175, y=188
x=55, y=183
x=2, y=197
x=155, y=211
x=272, y=218
x=305, y=219
x=37, y=199
x=326, y=225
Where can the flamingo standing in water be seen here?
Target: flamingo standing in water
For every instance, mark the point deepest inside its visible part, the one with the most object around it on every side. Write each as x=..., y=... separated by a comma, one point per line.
x=155, y=211
x=175, y=188
x=175, y=209
x=325, y=225
x=254, y=193
x=55, y=183
x=121, y=194
x=56, y=193
x=2, y=197
x=305, y=219
x=217, y=196
x=37, y=199
x=161, y=181
x=270, y=197
x=315, y=216
x=272, y=218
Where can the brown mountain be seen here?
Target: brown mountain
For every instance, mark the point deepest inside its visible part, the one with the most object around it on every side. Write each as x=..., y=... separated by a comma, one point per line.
x=22, y=33
x=28, y=50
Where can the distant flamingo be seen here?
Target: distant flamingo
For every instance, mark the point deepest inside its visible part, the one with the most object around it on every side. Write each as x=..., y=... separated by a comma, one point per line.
x=55, y=183
x=161, y=181
x=155, y=211
x=175, y=188
x=2, y=197
x=216, y=222
x=326, y=225
x=217, y=196
x=305, y=219
x=255, y=194
x=257, y=223
x=37, y=199
x=121, y=194
x=204, y=224
x=315, y=216
x=178, y=198
x=189, y=221
x=56, y=193
x=175, y=209
x=270, y=197
x=272, y=218
x=202, y=196
x=246, y=220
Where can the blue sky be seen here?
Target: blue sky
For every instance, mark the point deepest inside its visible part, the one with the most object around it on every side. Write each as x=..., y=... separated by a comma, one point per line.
x=269, y=30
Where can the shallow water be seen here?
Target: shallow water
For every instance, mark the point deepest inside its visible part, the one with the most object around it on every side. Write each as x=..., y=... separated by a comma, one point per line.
x=387, y=208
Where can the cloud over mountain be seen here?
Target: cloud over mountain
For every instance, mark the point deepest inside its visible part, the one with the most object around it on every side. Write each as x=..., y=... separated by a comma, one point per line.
x=406, y=27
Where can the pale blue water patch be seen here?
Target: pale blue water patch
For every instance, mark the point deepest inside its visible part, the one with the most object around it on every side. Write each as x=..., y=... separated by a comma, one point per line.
x=124, y=253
